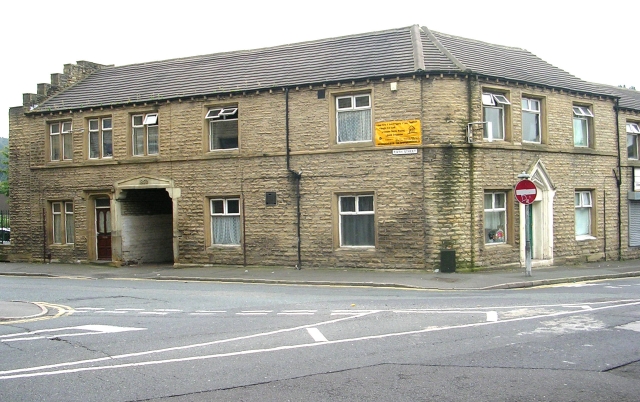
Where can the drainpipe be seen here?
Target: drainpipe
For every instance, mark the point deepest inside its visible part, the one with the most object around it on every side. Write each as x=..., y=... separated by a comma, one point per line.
x=618, y=176
x=296, y=176
x=472, y=226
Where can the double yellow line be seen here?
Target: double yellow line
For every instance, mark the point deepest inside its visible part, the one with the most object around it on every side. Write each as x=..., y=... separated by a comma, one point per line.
x=47, y=308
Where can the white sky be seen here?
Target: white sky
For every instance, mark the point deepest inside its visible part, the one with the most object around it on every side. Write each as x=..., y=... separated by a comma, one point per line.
x=595, y=41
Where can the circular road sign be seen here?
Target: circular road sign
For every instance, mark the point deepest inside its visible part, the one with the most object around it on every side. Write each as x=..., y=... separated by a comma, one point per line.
x=526, y=191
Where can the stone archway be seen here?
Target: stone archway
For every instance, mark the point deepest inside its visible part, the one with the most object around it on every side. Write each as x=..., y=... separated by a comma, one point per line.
x=130, y=210
x=542, y=218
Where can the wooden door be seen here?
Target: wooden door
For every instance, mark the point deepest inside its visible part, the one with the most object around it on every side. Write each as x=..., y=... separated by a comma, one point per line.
x=103, y=228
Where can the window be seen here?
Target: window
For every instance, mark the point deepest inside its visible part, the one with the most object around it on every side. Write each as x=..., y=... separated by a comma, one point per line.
x=494, y=115
x=145, y=134
x=223, y=128
x=353, y=118
x=61, y=141
x=225, y=221
x=633, y=130
x=582, y=120
x=531, y=130
x=62, y=212
x=100, y=138
x=495, y=217
x=357, y=221
x=583, y=204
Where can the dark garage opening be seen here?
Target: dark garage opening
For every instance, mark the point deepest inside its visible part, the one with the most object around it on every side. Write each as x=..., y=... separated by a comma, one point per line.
x=147, y=226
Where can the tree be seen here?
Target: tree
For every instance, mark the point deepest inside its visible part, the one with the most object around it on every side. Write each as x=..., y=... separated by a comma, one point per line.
x=4, y=169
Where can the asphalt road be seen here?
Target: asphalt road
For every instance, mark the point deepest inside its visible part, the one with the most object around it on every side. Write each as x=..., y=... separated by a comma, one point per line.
x=133, y=340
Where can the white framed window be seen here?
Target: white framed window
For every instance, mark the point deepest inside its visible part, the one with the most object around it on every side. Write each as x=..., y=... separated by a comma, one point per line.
x=100, y=138
x=495, y=217
x=582, y=121
x=62, y=222
x=353, y=118
x=357, y=220
x=223, y=128
x=531, y=129
x=584, y=206
x=144, y=135
x=225, y=221
x=61, y=141
x=494, y=113
x=633, y=132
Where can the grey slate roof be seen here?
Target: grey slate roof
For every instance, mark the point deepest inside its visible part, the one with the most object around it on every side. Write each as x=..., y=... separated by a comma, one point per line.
x=629, y=98
x=388, y=53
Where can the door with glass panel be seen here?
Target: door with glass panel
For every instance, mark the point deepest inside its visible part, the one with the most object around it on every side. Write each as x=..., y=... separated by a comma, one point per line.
x=103, y=228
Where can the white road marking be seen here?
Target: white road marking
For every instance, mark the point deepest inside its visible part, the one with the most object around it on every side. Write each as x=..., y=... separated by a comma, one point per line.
x=153, y=313
x=129, y=309
x=11, y=374
x=111, y=312
x=92, y=330
x=633, y=326
x=168, y=310
x=255, y=312
x=316, y=335
x=90, y=308
x=492, y=316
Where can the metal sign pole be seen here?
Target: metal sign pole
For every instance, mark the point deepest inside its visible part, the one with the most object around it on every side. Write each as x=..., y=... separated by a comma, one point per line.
x=527, y=246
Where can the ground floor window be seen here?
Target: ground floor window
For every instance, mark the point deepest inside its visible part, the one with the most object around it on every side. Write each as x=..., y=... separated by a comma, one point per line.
x=583, y=206
x=495, y=217
x=225, y=221
x=634, y=223
x=357, y=220
x=62, y=213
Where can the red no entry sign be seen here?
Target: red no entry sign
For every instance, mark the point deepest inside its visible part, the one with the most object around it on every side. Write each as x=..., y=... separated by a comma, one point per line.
x=526, y=191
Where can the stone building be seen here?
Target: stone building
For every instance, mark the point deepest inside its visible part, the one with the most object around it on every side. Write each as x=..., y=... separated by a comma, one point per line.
x=391, y=149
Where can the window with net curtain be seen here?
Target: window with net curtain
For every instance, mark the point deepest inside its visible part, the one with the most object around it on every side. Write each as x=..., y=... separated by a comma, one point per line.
x=495, y=217
x=63, y=229
x=583, y=204
x=581, y=119
x=353, y=115
x=225, y=221
x=357, y=221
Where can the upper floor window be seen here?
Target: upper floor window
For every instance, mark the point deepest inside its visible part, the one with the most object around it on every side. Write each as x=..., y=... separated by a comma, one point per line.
x=61, y=141
x=583, y=206
x=531, y=129
x=353, y=118
x=63, y=231
x=582, y=126
x=495, y=217
x=494, y=114
x=633, y=131
x=144, y=139
x=223, y=128
x=225, y=221
x=357, y=220
x=100, y=138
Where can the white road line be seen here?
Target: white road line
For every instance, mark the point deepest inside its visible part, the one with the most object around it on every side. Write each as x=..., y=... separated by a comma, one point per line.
x=316, y=335
x=152, y=313
x=151, y=352
x=5, y=375
x=632, y=326
x=129, y=309
x=90, y=308
x=168, y=310
x=111, y=312
x=92, y=330
x=492, y=316
x=295, y=313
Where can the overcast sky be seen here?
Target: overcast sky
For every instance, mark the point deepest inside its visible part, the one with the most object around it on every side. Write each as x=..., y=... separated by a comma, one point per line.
x=595, y=41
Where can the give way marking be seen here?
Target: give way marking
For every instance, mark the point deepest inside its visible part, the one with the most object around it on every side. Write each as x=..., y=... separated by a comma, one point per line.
x=72, y=331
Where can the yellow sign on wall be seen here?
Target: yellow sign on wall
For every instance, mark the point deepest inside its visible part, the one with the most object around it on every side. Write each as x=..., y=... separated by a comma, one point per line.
x=404, y=132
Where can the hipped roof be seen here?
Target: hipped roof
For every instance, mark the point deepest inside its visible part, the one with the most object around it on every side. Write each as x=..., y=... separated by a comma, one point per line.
x=396, y=52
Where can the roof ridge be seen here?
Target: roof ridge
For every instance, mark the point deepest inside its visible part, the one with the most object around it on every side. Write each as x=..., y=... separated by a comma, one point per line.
x=444, y=50
x=418, y=52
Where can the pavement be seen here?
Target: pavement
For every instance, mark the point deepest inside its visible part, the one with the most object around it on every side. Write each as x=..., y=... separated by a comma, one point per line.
x=487, y=279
